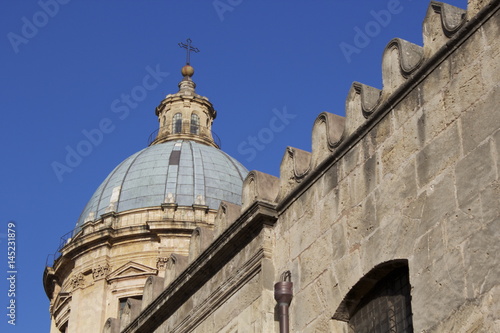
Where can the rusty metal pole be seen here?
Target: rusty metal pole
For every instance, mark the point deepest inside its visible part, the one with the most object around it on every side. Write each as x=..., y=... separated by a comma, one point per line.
x=283, y=294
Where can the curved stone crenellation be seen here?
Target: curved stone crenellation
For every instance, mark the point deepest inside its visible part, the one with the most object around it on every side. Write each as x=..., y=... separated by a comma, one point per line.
x=401, y=60
x=259, y=186
x=441, y=22
x=327, y=134
x=200, y=239
x=295, y=165
x=452, y=18
x=227, y=214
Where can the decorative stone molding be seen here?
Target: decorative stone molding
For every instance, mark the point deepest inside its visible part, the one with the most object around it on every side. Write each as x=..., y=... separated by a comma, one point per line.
x=61, y=307
x=77, y=281
x=131, y=270
x=100, y=271
x=161, y=263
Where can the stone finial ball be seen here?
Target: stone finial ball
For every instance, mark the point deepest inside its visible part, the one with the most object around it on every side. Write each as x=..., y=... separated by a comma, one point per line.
x=187, y=71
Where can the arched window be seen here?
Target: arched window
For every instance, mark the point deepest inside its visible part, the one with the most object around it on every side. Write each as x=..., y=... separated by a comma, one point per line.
x=380, y=301
x=195, y=124
x=177, y=123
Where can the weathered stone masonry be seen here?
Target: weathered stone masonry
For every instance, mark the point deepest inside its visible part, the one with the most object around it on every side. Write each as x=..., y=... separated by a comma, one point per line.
x=411, y=174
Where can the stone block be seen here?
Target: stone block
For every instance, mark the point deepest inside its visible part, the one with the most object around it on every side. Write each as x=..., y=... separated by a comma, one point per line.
x=496, y=141
x=338, y=240
x=381, y=132
x=302, y=235
x=437, y=115
x=438, y=286
x=348, y=271
x=320, y=324
x=363, y=179
x=330, y=180
x=361, y=221
x=473, y=173
x=439, y=204
x=329, y=213
x=338, y=326
x=482, y=264
x=475, y=6
x=304, y=308
x=440, y=153
x=462, y=224
x=400, y=147
x=415, y=208
x=480, y=121
x=406, y=183
x=490, y=202
x=314, y=260
x=345, y=199
x=328, y=291
x=407, y=108
x=239, y=301
x=350, y=160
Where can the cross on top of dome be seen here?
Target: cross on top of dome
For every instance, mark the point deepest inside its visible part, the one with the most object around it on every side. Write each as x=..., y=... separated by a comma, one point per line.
x=189, y=48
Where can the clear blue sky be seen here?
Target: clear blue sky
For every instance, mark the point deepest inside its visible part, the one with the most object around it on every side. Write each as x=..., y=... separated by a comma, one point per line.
x=63, y=68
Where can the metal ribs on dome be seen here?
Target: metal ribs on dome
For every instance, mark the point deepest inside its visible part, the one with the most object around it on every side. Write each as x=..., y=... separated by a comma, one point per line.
x=183, y=172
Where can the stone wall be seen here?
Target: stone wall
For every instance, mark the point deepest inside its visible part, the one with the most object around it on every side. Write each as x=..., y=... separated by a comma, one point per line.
x=421, y=183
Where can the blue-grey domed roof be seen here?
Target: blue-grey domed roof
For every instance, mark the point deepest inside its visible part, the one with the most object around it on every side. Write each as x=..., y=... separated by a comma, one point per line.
x=183, y=172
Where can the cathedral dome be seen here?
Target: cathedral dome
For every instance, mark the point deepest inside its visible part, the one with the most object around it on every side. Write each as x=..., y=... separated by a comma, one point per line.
x=181, y=172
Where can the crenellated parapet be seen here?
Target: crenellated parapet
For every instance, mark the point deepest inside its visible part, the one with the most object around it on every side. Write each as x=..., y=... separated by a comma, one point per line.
x=326, y=136
x=360, y=98
x=404, y=65
x=399, y=60
x=441, y=22
x=259, y=186
x=294, y=167
x=227, y=214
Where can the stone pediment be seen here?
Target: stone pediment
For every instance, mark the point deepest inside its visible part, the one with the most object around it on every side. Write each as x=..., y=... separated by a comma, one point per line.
x=131, y=270
x=62, y=299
